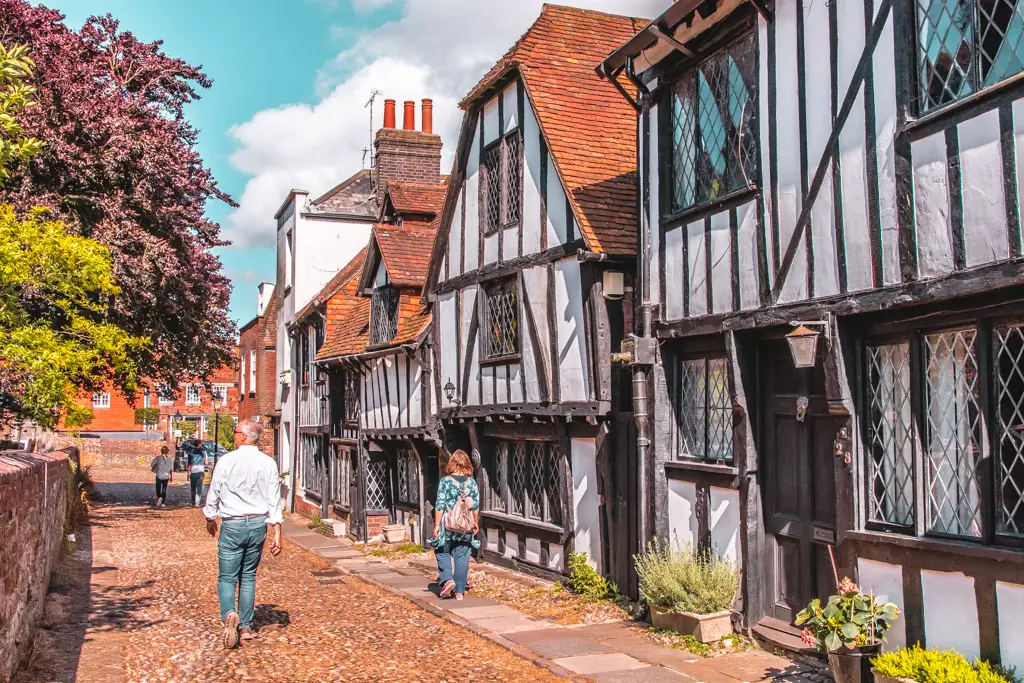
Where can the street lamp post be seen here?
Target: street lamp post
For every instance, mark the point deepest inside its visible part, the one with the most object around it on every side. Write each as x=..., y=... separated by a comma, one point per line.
x=216, y=429
x=176, y=418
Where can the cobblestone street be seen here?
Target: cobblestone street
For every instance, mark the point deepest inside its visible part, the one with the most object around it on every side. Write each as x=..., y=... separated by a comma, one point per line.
x=151, y=612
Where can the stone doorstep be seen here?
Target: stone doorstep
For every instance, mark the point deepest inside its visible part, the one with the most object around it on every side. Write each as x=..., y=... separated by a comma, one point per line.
x=600, y=663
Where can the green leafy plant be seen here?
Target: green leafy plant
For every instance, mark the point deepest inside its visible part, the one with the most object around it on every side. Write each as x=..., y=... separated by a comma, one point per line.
x=850, y=619
x=16, y=96
x=938, y=666
x=147, y=416
x=684, y=580
x=584, y=579
x=225, y=427
x=187, y=428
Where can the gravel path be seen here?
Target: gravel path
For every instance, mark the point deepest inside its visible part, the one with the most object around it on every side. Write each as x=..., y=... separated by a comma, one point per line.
x=164, y=622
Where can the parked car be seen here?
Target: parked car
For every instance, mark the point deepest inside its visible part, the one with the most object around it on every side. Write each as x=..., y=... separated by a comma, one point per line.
x=213, y=451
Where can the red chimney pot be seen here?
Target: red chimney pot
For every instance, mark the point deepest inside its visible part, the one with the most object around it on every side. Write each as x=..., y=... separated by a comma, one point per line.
x=427, y=117
x=409, y=120
x=389, y=113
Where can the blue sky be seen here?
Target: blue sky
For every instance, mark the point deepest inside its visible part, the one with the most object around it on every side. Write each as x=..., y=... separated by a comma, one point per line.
x=290, y=81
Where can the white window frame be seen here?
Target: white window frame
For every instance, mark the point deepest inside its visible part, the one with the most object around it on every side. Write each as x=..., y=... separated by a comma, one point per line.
x=101, y=399
x=197, y=389
x=220, y=391
x=241, y=376
x=164, y=395
x=252, y=371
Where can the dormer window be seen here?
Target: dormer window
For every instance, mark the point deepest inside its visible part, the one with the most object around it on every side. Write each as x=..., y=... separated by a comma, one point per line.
x=383, y=314
x=502, y=170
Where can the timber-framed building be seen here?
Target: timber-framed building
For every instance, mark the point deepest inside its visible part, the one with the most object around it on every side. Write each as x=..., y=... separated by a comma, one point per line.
x=845, y=173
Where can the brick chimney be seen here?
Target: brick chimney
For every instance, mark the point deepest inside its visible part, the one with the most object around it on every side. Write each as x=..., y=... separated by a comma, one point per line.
x=407, y=154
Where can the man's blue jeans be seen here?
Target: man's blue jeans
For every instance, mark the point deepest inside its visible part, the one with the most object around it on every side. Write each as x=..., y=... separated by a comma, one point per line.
x=457, y=552
x=239, y=550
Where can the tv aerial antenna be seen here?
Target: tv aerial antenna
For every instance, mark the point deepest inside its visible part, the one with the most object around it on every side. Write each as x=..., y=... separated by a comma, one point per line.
x=367, y=151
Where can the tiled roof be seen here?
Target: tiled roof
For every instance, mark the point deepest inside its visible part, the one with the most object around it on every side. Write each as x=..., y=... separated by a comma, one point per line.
x=352, y=270
x=348, y=317
x=416, y=197
x=406, y=250
x=353, y=196
x=589, y=127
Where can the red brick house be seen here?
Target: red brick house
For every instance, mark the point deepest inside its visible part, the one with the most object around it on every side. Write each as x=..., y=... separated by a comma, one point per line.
x=257, y=358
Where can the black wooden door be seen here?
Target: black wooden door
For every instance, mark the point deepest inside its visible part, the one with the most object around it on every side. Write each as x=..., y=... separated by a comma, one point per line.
x=621, y=503
x=799, y=483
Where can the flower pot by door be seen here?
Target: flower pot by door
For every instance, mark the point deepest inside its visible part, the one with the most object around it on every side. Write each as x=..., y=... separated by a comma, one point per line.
x=855, y=666
x=707, y=628
x=394, y=533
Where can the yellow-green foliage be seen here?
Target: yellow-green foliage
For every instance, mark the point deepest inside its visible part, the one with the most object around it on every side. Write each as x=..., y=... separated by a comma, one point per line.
x=935, y=666
x=15, y=97
x=686, y=581
x=584, y=579
x=54, y=341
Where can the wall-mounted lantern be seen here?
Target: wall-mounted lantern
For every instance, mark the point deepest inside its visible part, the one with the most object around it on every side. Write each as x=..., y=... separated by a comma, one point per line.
x=449, y=392
x=613, y=285
x=803, y=342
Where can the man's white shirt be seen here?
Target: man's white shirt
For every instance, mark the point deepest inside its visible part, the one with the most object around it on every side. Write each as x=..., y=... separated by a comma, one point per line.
x=245, y=482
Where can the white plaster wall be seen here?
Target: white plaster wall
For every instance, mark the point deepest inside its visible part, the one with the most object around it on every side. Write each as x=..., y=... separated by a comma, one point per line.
x=535, y=297
x=453, y=256
x=557, y=225
x=490, y=248
x=674, y=274
x=655, y=210
x=884, y=78
x=1010, y=604
x=982, y=183
x=721, y=263
x=682, y=513
x=472, y=189
x=763, y=136
x=571, y=331
x=945, y=594
x=322, y=248
x=724, y=519
x=511, y=544
x=468, y=311
x=490, y=121
x=515, y=385
x=510, y=107
x=533, y=550
x=584, y=500
x=492, y=540
x=531, y=182
x=931, y=206
x=1018, y=138
x=697, y=264
x=886, y=582
x=555, y=556
x=747, y=232
x=444, y=337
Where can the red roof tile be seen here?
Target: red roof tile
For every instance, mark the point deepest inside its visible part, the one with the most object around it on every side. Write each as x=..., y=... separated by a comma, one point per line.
x=416, y=197
x=589, y=126
x=406, y=250
x=352, y=269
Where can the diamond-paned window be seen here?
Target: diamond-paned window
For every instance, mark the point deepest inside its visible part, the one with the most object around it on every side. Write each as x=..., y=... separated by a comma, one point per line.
x=1009, y=360
x=890, y=447
x=408, y=477
x=713, y=127
x=966, y=45
x=502, y=167
x=953, y=443
x=524, y=480
x=314, y=462
x=383, y=315
x=501, y=333
x=377, y=484
x=703, y=409
x=351, y=399
x=341, y=476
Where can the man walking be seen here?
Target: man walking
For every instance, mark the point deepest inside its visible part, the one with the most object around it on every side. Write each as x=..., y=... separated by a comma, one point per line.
x=196, y=470
x=245, y=494
x=162, y=467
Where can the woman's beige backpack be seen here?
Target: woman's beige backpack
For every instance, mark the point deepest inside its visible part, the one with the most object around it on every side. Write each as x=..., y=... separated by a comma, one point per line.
x=460, y=518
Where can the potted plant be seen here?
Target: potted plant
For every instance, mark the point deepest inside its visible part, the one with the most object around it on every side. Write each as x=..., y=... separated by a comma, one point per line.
x=394, y=533
x=689, y=592
x=918, y=665
x=850, y=627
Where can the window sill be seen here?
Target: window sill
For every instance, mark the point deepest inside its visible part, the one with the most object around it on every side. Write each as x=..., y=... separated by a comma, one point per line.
x=699, y=211
x=965, y=549
x=939, y=118
x=711, y=472
x=521, y=523
x=507, y=359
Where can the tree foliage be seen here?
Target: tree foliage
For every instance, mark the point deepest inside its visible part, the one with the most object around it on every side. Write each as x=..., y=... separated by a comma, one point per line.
x=225, y=427
x=15, y=97
x=119, y=164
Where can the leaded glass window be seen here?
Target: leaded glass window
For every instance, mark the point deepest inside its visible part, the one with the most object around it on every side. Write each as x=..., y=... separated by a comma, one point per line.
x=524, y=480
x=1009, y=359
x=314, y=463
x=966, y=45
x=351, y=399
x=890, y=447
x=713, y=128
x=502, y=315
x=703, y=409
x=408, y=477
x=341, y=476
x=377, y=487
x=502, y=167
x=383, y=315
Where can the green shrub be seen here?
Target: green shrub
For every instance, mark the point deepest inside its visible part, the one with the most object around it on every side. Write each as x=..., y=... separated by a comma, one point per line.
x=686, y=581
x=935, y=666
x=584, y=579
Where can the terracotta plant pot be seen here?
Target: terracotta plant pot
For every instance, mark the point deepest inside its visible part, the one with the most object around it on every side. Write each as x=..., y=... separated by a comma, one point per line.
x=853, y=666
x=882, y=678
x=394, y=533
x=706, y=628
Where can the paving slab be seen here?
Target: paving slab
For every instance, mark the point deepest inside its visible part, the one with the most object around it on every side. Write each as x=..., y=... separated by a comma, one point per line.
x=647, y=674
x=603, y=663
x=383, y=577
x=401, y=581
x=337, y=553
x=512, y=624
x=650, y=652
x=701, y=671
x=563, y=643
x=485, y=612
x=614, y=629
x=753, y=665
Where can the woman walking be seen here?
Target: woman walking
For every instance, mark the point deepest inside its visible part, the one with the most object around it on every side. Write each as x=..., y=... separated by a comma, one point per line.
x=456, y=522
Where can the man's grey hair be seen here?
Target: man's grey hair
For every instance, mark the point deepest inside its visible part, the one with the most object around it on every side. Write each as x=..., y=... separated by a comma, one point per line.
x=252, y=431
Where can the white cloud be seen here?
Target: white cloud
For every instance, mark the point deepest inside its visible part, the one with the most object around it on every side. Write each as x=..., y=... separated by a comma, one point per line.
x=437, y=49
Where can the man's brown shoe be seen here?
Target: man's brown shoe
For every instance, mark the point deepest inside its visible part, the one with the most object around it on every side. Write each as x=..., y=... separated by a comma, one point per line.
x=246, y=633
x=231, y=631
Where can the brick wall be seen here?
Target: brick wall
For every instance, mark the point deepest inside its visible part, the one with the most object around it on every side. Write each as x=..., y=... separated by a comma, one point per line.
x=33, y=502
x=114, y=452
x=407, y=155
x=375, y=525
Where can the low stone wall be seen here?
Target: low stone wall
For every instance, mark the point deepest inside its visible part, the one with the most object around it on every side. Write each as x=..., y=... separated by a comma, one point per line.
x=114, y=452
x=33, y=506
